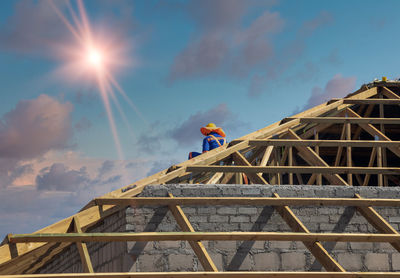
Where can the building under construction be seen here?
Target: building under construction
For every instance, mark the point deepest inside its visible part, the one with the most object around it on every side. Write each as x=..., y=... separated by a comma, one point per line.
x=314, y=195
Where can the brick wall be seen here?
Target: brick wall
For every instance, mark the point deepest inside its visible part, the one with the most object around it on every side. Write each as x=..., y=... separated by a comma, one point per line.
x=105, y=257
x=232, y=255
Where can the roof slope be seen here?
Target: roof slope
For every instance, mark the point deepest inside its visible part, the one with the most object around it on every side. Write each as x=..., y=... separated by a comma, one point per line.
x=348, y=141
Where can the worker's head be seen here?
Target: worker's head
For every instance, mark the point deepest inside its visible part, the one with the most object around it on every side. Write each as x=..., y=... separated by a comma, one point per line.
x=211, y=127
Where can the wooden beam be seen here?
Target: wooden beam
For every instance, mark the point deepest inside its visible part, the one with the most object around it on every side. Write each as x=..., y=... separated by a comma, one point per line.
x=390, y=94
x=377, y=221
x=290, y=163
x=319, y=176
x=299, y=177
x=215, y=178
x=87, y=218
x=312, y=179
x=323, y=143
x=375, y=132
x=245, y=201
x=204, y=274
x=348, y=153
x=82, y=248
x=266, y=156
x=370, y=164
x=192, y=236
x=352, y=120
x=372, y=101
x=197, y=246
x=278, y=176
x=50, y=252
x=255, y=178
x=314, y=247
x=326, y=170
x=313, y=159
x=382, y=150
x=340, y=148
x=367, y=113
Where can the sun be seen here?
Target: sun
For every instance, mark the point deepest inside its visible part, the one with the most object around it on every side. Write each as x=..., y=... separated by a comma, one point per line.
x=94, y=55
x=95, y=58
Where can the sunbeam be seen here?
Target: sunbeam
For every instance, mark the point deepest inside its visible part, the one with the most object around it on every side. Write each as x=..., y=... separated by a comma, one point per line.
x=95, y=57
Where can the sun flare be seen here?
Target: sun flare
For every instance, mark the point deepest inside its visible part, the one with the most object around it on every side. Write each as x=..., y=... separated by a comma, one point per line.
x=95, y=55
x=95, y=58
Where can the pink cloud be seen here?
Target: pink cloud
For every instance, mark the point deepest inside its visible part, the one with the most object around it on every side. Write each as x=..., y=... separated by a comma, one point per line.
x=34, y=127
x=337, y=87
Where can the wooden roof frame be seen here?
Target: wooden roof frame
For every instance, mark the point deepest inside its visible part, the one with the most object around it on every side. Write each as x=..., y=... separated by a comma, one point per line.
x=267, y=156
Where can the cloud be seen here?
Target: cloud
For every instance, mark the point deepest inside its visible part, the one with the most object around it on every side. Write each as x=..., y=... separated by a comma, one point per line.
x=232, y=43
x=188, y=132
x=58, y=184
x=337, y=87
x=149, y=142
x=106, y=167
x=59, y=177
x=288, y=55
x=34, y=127
x=199, y=58
x=323, y=18
x=223, y=44
x=33, y=26
x=83, y=124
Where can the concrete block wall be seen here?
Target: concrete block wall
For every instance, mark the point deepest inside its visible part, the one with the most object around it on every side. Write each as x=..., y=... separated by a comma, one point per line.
x=232, y=255
x=105, y=257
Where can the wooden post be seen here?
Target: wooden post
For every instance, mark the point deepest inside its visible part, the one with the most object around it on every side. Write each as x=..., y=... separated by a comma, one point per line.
x=315, y=248
x=290, y=162
x=370, y=164
x=82, y=248
x=379, y=164
x=383, y=150
x=349, y=162
x=197, y=246
x=319, y=176
x=277, y=159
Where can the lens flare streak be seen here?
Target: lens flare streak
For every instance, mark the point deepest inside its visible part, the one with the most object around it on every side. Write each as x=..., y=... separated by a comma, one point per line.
x=95, y=58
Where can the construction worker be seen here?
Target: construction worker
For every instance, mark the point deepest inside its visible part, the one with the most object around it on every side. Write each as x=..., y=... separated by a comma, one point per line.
x=215, y=137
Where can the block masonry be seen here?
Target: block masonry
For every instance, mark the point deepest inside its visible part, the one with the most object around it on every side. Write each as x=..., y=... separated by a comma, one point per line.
x=234, y=255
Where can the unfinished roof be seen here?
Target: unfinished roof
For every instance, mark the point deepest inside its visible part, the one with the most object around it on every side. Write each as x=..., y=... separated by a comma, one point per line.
x=350, y=141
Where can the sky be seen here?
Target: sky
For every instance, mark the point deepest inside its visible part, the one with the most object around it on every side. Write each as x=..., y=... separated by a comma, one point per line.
x=176, y=66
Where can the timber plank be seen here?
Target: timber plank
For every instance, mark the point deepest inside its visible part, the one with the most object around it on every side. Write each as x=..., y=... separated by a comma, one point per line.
x=202, y=274
x=197, y=246
x=190, y=236
x=315, y=247
x=254, y=201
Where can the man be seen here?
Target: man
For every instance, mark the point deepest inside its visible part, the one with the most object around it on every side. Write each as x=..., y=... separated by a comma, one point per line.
x=215, y=137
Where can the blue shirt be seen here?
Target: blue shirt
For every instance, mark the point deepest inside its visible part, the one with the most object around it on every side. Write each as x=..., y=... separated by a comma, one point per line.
x=209, y=143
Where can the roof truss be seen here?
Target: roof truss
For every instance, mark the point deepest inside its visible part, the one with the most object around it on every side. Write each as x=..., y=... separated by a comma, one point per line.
x=319, y=146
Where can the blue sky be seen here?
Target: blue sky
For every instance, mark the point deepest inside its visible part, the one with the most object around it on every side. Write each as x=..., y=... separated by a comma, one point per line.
x=240, y=64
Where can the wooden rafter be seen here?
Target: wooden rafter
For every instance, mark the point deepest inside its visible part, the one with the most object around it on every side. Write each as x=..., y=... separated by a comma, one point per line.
x=82, y=248
x=203, y=274
x=254, y=177
x=315, y=247
x=195, y=236
x=197, y=246
x=246, y=201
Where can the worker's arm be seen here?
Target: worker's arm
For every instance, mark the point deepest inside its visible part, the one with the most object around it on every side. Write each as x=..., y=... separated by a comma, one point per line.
x=206, y=145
